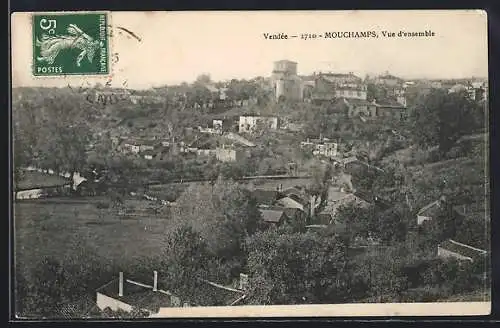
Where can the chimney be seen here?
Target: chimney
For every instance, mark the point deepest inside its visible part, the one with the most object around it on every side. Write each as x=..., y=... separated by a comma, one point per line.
x=120, y=286
x=243, y=281
x=155, y=281
x=311, y=205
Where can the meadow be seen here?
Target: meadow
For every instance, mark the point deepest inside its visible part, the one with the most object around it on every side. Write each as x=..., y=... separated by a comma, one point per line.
x=61, y=227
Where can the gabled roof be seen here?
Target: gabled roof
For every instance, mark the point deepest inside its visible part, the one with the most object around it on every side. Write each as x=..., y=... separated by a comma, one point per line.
x=462, y=249
x=271, y=215
x=365, y=196
x=288, y=202
x=299, y=198
x=430, y=209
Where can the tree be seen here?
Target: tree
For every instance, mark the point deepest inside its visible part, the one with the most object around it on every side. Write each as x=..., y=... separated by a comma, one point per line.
x=393, y=225
x=474, y=232
x=185, y=261
x=451, y=276
x=360, y=221
x=321, y=176
x=297, y=268
x=136, y=313
x=375, y=92
x=224, y=215
x=381, y=270
x=64, y=132
x=43, y=289
x=203, y=79
x=20, y=159
x=441, y=118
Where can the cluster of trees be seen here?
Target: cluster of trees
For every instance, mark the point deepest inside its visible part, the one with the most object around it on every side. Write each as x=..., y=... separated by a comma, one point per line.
x=52, y=132
x=441, y=119
x=216, y=232
x=235, y=90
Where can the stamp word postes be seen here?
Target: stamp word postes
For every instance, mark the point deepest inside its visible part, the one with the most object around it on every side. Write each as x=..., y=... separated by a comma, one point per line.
x=70, y=44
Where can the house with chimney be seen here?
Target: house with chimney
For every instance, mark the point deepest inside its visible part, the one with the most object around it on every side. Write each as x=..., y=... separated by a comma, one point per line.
x=127, y=295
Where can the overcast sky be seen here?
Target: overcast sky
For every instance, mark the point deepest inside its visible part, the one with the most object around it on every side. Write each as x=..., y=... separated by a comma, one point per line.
x=178, y=46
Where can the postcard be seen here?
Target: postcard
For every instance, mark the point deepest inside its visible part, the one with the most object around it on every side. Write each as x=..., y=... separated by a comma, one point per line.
x=250, y=164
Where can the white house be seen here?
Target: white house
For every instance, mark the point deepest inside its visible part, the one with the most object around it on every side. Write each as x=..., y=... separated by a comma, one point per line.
x=224, y=154
x=327, y=149
x=251, y=123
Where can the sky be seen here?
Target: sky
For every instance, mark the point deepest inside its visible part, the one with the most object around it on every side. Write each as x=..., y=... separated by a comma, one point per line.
x=178, y=46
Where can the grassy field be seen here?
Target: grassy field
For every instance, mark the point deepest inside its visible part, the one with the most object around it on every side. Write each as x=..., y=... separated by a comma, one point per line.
x=60, y=227
x=34, y=179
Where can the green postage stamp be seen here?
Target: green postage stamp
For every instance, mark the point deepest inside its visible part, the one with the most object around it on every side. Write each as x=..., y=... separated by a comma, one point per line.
x=70, y=44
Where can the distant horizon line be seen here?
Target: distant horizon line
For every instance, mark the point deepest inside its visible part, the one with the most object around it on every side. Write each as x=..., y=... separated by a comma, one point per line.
x=177, y=83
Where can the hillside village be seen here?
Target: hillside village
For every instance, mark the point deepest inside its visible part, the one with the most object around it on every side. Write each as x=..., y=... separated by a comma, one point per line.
x=285, y=189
